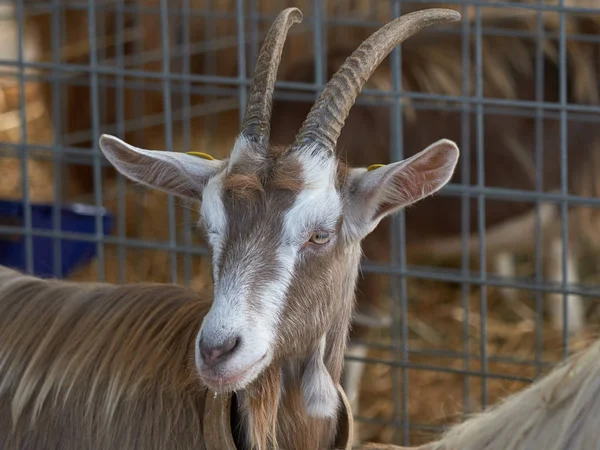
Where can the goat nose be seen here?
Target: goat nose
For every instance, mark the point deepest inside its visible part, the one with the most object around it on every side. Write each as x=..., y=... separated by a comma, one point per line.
x=211, y=354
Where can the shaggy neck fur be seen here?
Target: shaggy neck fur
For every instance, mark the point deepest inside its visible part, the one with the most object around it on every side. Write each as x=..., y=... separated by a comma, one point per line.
x=86, y=366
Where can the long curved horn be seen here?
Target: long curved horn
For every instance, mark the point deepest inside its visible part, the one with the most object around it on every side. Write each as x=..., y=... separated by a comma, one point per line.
x=327, y=116
x=256, y=125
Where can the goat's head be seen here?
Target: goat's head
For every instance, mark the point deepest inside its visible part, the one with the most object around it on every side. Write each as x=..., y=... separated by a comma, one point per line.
x=285, y=224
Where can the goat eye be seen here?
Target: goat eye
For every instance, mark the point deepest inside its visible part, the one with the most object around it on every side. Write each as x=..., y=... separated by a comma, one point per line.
x=320, y=237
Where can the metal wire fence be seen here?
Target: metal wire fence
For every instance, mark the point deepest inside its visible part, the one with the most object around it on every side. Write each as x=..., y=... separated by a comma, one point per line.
x=175, y=76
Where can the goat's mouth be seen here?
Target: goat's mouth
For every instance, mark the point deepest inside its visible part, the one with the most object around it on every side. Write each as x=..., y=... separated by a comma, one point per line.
x=225, y=379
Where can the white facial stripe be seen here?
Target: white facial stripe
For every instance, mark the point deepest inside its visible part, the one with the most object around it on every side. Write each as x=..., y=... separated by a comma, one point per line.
x=313, y=210
x=233, y=315
x=318, y=171
x=230, y=308
x=275, y=291
x=213, y=213
x=319, y=204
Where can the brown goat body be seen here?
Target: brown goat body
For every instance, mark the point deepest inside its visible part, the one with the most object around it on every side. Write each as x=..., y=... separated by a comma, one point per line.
x=101, y=366
x=98, y=366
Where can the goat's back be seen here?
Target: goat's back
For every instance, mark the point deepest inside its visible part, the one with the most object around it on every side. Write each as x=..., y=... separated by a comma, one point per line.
x=98, y=366
x=560, y=411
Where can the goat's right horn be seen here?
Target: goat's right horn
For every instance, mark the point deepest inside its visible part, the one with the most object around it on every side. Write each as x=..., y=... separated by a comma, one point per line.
x=256, y=125
x=326, y=118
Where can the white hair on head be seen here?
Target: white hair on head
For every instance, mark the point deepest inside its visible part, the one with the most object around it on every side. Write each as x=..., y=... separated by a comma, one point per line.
x=240, y=149
x=212, y=212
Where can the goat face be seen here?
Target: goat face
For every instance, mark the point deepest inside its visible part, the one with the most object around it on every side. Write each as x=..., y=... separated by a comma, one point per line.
x=285, y=224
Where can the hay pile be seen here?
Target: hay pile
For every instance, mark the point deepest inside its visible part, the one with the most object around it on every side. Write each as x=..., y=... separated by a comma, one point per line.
x=435, y=310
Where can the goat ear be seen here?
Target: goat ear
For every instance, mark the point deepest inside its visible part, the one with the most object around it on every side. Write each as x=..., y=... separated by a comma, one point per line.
x=375, y=194
x=172, y=172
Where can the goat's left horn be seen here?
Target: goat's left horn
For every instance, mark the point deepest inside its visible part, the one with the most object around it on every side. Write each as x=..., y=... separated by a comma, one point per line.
x=326, y=118
x=256, y=125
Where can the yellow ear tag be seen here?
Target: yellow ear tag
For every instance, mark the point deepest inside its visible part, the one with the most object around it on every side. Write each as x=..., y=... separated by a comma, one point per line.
x=200, y=155
x=374, y=166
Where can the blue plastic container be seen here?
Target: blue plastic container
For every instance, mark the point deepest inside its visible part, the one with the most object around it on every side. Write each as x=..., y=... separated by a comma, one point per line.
x=75, y=217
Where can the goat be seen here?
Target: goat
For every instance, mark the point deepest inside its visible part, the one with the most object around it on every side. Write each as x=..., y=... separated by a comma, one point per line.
x=432, y=229
x=96, y=366
x=560, y=411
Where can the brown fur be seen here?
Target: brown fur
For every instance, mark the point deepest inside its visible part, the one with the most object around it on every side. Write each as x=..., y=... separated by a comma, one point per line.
x=256, y=225
x=253, y=175
x=242, y=185
x=316, y=433
x=99, y=366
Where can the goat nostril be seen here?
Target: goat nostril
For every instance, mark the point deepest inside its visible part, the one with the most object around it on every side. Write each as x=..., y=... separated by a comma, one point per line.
x=212, y=354
x=231, y=344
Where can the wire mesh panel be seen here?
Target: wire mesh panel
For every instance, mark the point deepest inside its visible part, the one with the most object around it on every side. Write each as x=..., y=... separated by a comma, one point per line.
x=463, y=298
